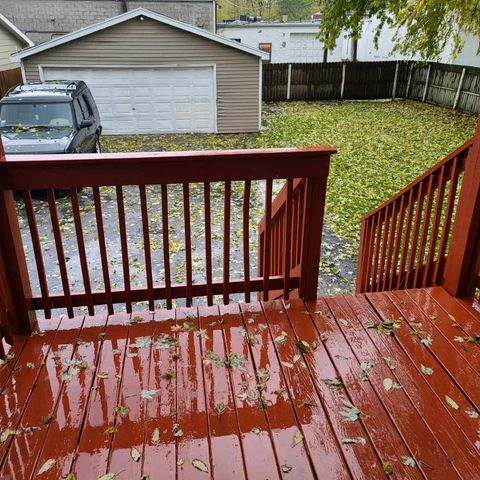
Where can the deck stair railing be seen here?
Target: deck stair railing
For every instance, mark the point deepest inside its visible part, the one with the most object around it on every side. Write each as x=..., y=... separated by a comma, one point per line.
x=151, y=176
x=429, y=233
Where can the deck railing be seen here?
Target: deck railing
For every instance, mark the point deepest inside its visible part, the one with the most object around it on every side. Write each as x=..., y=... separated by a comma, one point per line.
x=139, y=187
x=428, y=233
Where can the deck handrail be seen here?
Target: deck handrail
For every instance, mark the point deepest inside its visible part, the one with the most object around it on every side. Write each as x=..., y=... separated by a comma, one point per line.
x=145, y=172
x=405, y=242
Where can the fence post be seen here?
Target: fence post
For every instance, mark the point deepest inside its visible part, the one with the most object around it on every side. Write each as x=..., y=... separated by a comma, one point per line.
x=14, y=281
x=342, y=87
x=459, y=89
x=465, y=241
x=314, y=208
x=426, y=83
x=409, y=80
x=395, y=80
x=289, y=81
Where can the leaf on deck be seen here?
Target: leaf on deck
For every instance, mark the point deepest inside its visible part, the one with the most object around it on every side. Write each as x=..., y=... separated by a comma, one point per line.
x=46, y=466
x=451, y=402
x=199, y=465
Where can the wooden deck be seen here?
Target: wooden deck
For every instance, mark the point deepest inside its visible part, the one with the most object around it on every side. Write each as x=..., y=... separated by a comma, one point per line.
x=331, y=389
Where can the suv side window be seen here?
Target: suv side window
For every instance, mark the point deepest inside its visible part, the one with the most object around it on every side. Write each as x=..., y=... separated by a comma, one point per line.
x=83, y=105
x=78, y=112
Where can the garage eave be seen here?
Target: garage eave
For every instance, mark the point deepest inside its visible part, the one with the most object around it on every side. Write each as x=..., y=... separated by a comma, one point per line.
x=137, y=13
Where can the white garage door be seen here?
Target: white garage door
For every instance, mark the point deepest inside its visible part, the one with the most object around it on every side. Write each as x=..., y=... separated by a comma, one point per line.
x=148, y=100
x=306, y=48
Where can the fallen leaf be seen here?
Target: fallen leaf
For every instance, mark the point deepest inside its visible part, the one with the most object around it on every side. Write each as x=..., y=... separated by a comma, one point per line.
x=350, y=412
x=256, y=430
x=156, y=435
x=148, y=394
x=389, y=384
x=426, y=370
x=408, y=461
x=108, y=476
x=287, y=364
x=71, y=476
x=102, y=374
x=286, y=468
x=30, y=365
x=122, y=411
x=297, y=438
x=334, y=384
x=111, y=429
x=180, y=462
x=357, y=440
x=7, y=433
x=387, y=468
x=451, y=402
x=47, y=466
x=282, y=338
x=427, y=341
x=219, y=408
x=177, y=431
x=199, y=465
x=135, y=454
x=472, y=413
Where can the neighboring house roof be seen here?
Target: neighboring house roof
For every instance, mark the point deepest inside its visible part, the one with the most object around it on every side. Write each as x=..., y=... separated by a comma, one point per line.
x=16, y=32
x=138, y=12
x=241, y=23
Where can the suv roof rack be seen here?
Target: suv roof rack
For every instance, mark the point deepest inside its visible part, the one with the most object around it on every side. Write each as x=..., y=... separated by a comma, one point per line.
x=63, y=85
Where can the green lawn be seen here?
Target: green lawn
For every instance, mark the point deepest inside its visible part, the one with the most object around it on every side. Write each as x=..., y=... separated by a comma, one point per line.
x=382, y=146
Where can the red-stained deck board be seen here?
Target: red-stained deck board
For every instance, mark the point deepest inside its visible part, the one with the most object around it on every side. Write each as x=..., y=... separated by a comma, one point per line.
x=284, y=424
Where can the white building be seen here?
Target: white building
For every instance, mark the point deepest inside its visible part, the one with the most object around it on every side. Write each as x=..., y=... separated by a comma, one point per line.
x=296, y=42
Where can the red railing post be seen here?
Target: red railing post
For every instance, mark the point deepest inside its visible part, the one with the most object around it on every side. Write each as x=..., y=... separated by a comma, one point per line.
x=14, y=280
x=460, y=275
x=314, y=208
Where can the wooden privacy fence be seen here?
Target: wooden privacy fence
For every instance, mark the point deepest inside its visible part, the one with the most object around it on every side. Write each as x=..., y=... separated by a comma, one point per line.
x=24, y=174
x=429, y=233
x=8, y=79
x=446, y=85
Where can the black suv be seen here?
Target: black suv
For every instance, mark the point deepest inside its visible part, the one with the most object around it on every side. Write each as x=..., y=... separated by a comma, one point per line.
x=51, y=117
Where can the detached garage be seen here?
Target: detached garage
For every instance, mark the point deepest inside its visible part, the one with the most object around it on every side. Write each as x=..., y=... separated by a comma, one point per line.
x=151, y=74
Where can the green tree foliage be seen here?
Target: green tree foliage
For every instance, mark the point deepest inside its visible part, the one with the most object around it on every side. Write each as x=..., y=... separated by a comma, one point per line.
x=296, y=9
x=424, y=27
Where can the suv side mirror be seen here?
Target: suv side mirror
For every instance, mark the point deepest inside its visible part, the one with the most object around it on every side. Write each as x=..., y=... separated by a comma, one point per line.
x=86, y=123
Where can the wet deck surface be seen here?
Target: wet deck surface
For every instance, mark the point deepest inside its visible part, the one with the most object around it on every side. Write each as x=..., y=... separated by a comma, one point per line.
x=348, y=387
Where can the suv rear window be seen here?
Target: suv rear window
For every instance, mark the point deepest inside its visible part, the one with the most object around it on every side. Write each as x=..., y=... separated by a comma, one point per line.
x=40, y=114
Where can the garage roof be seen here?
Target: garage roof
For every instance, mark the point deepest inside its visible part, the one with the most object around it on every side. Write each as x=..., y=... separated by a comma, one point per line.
x=16, y=32
x=138, y=12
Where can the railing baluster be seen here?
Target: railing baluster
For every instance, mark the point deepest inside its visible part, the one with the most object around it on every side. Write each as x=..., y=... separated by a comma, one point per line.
x=77, y=219
x=37, y=250
x=416, y=231
x=452, y=193
x=391, y=241
x=246, y=238
x=166, y=247
x=365, y=261
x=103, y=248
x=124, y=247
x=376, y=251
x=188, y=242
x=208, y=241
x=146, y=246
x=267, y=239
x=385, y=240
x=435, y=228
x=398, y=240
x=52, y=205
x=288, y=239
x=426, y=224
x=406, y=238
x=226, y=242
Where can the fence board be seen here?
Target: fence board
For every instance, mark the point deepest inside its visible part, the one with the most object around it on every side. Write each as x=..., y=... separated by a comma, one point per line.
x=434, y=83
x=8, y=79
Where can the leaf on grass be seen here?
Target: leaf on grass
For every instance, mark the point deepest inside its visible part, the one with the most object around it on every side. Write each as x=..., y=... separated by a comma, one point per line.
x=427, y=341
x=472, y=413
x=122, y=411
x=350, y=412
x=357, y=440
x=47, y=466
x=297, y=438
x=426, y=370
x=199, y=465
x=148, y=394
x=451, y=402
x=135, y=454
x=408, y=461
x=334, y=384
x=286, y=468
x=220, y=408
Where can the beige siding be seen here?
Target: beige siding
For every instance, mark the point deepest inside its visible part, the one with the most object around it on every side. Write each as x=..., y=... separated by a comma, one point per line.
x=8, y=45
x=148, y=42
